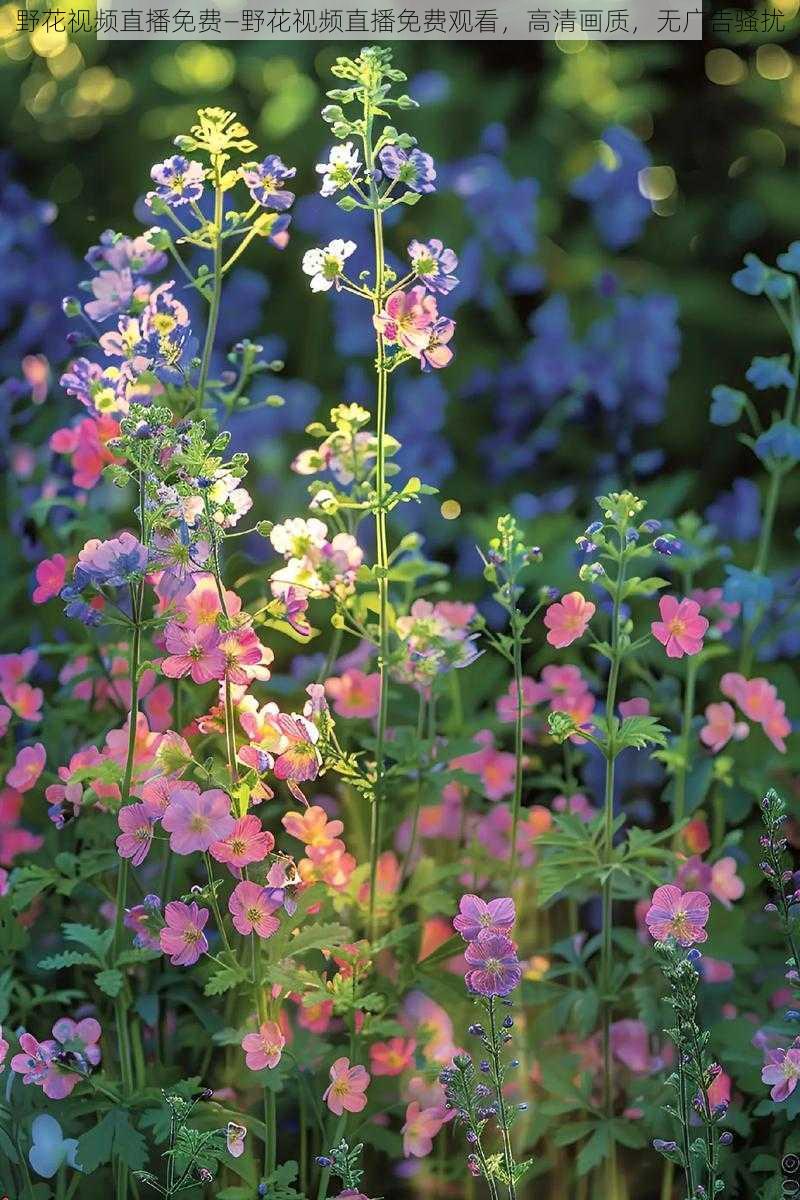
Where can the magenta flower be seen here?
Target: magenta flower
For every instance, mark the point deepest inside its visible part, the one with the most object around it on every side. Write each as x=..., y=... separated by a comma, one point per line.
x=476, y=917
x=246, y=843
x=195, y=820
x=437, y=353
x=494, y=969
x=721, y=725
x=50, y=576
x=782, y=1070
x=27, y=768
x=681, y=627
x=677, y=914
x=263, y=1049
x=182, y=937
x=34, y=1060
x=567, y=620
x=194, y=652
x=301, y=759
x=345, y=1092
x=407, y=320
x=136, y=837
x=252, y=907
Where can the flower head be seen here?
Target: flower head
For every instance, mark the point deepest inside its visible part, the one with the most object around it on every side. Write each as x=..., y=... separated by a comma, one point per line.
x=782, y=1071
x=476, y=917
x=264, y=1048
x=246, y=843
x=434, y=265
x=179, y=181
x=182, y=938
x=681, y=627
x=136, y=825
x=340, y=170
x=265, y=181
x=682, y=915
x=415, y=169
x=493, y=966
x=345, y=1092
x=252, y=907
x=327, y=265
x=195, y=820
x=567, y=620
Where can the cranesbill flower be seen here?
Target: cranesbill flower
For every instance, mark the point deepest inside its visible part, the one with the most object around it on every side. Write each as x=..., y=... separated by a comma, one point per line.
x=300, y=761
x=437, y=353
x=345, y=1092
x=782, y=1070
x=340, y=170
x=246, y=843
x=407, y=319
x=110, y=564
x=420, y=1128
x=194, y=652
x=326, y=266
x=392, y=1057
x=265, y=181
x=682, y=915
x=263, y=1049
x=721, y=725
x=27, y=768
x=179, y=180
x=252, y=907
x=354, y=694
x=567, y=619
x=182, y=938
x=415, y=169
x=434, y=265
x=136, y=823
x=234, y=1139
x=493, y=966
x=726, y=885
x=476, y=917
x=681, y=627
x=50, y=576
x=195, y=820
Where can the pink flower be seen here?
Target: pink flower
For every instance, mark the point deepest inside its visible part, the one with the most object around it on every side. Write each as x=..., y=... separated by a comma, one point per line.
x=567, y=619
x=681, y=627
x=677, y=914
x=182, y=937
x=437, y=353
x=638, y=706
x=50, y=576
x=27, y=768
x=725, y=883
x=355, y=694
x=721, y=725
x=4, y=1047
x=195, y=820
x=194, y=651
x=782, y=1070
x=312, y=826
x=758, y=700
x=263, y=1049
x=392, y=1057
x=475, y=916
x=346, y=1088
x=136, y=837
x=234, y=1139
x=421, y=1127
x=300, y=760
x=252, y=907
x=630, y=1043
x=577, y=804
x=246, y=843
x=33, y=1063
x=497, y=768
x=407, y=319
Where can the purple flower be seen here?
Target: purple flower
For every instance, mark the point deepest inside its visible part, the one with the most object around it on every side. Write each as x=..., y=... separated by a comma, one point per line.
x=494, y=966
x=265, y=181
x=79, y=379
x=110, y=563
x=782, y=1070
x=113, y=292
x=415, y=170
x=475, y=916
x=180, y=181
x=434, y=265
x=437, y=353
x=166, y=336
x=118, y=253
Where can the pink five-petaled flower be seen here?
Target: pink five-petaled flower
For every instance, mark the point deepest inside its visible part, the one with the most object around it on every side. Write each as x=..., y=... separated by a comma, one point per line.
x=234, y=1139
x=27, y=768
x=252, y=907
x=721, y=725
x=677, y=914
x=725, y=884
x=263, y=1049
x=392, y=1057
x=782, y=1070
x=354, y=694
x=182, y=937
x=681, y=627
x=421, y=1127
x=475, y=916
x=407, y=319
x=193, y=651
x=136, y=823
x=50, y=576
x=493, y=966
x=346, y=1088
x=567, y=619
x=300, y=760
x=195, y=820
x=246, y=843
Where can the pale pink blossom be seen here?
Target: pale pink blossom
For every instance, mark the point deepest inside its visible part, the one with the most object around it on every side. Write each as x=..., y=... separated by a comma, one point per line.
x=567, y=619
x=682, y=915
x=345, y=1092
x=264, y=1049
x=252, y=908
x=27, y=768
x=681, y=627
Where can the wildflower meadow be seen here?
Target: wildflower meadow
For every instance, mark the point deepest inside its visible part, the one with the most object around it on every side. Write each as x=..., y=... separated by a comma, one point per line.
x=351, y=845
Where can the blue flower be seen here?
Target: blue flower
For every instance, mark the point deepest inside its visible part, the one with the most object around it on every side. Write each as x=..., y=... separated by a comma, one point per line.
x=726, y=405
x=770, y=373
x=748, y=588
x=265, y=182
x=50, y=1148
x=611, y=187
x=737, y=514
x=415, y=170
x=752, y=277
x=781, y=441
x=790, y=261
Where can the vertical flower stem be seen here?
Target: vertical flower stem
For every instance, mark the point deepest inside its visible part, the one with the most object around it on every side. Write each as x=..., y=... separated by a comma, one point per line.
x=216, y=294
x=679, y=811
x=497, y=1078
x=381, y=539
x=518, y=730
x=270, y=1115
x=212, y=891
x=412, y=843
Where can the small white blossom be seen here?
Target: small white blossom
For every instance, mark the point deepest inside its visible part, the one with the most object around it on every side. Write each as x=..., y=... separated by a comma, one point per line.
x=340, y=170
x=325, y=266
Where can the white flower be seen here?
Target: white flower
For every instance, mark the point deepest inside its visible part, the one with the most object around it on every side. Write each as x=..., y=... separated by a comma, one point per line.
x=340, y=170
x=325, y=266
x=296, y=537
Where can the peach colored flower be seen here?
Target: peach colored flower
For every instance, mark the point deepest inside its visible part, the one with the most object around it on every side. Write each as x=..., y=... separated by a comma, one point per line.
x=345, y=1092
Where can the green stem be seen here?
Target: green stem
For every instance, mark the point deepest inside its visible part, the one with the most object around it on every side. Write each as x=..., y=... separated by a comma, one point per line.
x=216, y=295
x=508, y=1153
x=686, y=730
x=412, y=843
x=518, y=730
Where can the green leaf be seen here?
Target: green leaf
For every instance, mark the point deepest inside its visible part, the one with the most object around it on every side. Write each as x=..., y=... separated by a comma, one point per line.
x=113, y=1136
x=223, y=980
x=67, y=958
x=319, y=937
x=110, y=982
x=96, y=940
x=639, y=732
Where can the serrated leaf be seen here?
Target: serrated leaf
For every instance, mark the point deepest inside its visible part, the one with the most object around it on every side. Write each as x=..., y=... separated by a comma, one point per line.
x=319, y=937
x=223, y=980
x=110, y=982
x=67, y=958
x=114, y=1136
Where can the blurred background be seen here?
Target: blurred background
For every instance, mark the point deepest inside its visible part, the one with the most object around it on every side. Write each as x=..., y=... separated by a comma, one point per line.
x=599, y=197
